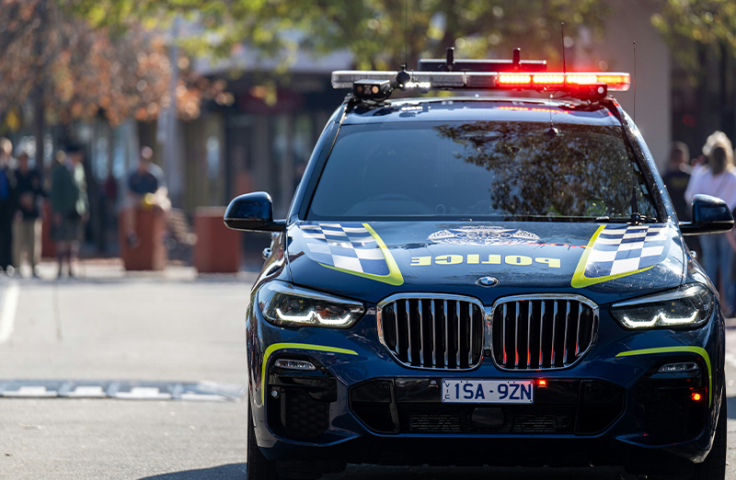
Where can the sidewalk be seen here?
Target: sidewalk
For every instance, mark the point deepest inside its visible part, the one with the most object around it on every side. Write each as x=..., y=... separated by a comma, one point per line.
x=112, y=268
x=109, y=324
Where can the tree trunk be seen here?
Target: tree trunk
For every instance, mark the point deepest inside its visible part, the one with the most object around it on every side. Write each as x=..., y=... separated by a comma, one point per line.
x=39, y=117
x=39, y=125
x=726, y=93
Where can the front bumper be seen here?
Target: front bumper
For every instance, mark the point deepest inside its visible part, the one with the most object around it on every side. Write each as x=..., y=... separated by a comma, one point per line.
x=613, y=408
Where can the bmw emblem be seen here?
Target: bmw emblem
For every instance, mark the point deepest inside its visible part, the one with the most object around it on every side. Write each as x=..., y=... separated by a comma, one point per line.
x=487, y=281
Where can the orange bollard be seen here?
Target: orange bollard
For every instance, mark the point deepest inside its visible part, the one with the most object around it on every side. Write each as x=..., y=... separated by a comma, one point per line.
x=48, y=247
x=218, y=249
x=151, y=253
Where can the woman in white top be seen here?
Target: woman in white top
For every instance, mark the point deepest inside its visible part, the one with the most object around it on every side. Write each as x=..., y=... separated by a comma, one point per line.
x=718, y=179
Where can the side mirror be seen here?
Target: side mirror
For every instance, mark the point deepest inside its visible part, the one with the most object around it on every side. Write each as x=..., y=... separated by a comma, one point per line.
x=710, y=215
x=253, y=212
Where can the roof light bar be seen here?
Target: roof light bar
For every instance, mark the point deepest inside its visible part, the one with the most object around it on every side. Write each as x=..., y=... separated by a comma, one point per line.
x=489, y=80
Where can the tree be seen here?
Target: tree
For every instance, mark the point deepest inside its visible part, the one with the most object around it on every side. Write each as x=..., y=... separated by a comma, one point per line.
x=691, y=24
x=702, y=37
x=69, y=70
x=379, y=33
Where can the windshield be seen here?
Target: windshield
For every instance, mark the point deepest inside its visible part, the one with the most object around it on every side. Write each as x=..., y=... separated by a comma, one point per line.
x=480, y=169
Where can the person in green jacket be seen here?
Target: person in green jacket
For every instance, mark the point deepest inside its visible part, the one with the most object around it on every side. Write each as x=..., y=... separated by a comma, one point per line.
x=69, y=206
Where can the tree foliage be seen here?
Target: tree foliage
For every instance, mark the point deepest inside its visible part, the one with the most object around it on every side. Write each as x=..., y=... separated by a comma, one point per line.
x=379, y=33
x=690, y=25
x=77, y=71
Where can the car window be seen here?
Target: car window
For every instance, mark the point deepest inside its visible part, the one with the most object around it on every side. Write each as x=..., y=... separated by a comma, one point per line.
x=480, y=169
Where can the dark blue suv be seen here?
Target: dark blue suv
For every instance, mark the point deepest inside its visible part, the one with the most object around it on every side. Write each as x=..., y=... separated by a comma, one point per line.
x=483, y=280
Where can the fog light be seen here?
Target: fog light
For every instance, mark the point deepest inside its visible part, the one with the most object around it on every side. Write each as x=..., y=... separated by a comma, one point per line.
x=294, y=364
x=678, y=367
x=696, y=396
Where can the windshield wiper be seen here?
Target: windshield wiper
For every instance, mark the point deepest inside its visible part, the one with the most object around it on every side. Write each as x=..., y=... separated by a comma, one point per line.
x=636, y=218
x=607, y=219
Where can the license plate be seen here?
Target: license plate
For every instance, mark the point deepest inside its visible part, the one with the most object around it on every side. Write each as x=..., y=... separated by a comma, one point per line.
x=488, y=391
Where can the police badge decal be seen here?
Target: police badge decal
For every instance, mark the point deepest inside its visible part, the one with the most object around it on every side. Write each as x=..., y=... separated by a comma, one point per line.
x=483, y=235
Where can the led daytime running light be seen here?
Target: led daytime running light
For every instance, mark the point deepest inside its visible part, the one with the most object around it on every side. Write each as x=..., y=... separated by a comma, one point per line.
x=311, y=317
x=287, y=305
x=689, y=306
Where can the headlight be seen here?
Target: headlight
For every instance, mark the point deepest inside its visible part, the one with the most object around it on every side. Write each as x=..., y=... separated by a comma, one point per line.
x=290, y=306
x=688, y=306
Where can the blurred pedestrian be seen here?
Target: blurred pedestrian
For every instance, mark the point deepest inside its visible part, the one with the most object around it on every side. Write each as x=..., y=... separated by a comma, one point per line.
x=69, y=206
x=676, y=179
x=146, y=187
x=8, y=206
x=27, y=228
x=718, y=179
x=108, y=198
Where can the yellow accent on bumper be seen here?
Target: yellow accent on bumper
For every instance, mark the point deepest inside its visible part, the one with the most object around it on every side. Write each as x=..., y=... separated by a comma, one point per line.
x=695, y=350
x=294, y=346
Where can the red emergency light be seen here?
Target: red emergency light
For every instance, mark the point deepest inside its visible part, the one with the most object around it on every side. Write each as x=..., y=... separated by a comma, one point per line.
x=613, y=81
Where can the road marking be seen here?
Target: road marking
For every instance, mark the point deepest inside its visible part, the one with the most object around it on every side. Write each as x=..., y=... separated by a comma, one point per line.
x=95, y=391
x=143, y=393
x=200, y=397
x=122, y=390
x=7, y=313
x=31, y=392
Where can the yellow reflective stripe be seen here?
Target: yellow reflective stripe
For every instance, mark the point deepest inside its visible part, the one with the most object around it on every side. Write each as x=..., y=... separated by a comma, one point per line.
x=394, y=276
x=579, y=280
x=696, y=350
x=294, y=346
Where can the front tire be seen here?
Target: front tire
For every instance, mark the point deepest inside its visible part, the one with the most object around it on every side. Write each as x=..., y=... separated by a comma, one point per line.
x=258, y=466
x=714, y=465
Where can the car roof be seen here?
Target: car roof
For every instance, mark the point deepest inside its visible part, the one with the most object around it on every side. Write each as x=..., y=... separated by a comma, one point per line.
x=439, y=109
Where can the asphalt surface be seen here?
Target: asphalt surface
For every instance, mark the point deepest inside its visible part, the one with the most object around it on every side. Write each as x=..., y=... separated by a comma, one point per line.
x=174, y=327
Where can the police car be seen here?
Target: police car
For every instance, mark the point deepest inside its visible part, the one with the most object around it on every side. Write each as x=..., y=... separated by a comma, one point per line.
x=490, y=279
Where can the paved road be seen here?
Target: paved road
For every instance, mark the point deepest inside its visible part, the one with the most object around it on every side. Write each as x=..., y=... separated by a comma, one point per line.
x=150, y=327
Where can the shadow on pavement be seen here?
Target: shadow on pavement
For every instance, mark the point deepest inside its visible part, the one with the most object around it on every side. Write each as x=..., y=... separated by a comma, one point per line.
x=371, y=472
x=232, y=471
x=366, y=472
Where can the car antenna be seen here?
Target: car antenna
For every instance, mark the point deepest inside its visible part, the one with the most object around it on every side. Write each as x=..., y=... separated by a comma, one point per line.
x=552, y=131
x=634, y=82
x=562, y=33
x=636, y=217
x=403, y=77
x=406, y=34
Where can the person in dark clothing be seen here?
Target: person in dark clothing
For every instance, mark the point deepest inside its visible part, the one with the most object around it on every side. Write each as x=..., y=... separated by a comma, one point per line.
x=8, y=205
x=147, y=187
x=676, y=179
x=69, y=206
x=28, y=219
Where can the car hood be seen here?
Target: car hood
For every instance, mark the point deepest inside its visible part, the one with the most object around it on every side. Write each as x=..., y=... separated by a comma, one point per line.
x=372, y=260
